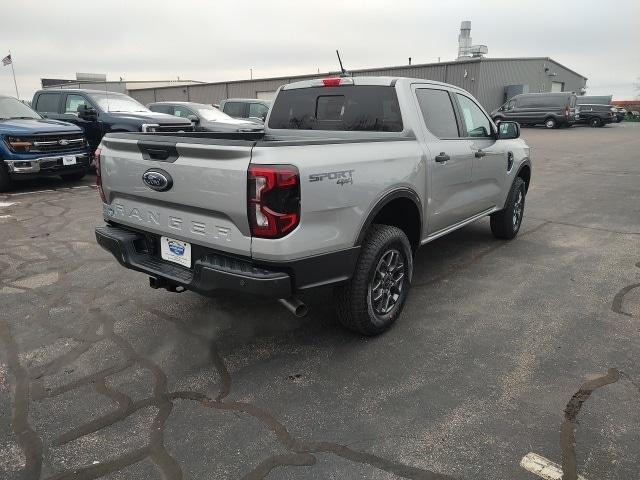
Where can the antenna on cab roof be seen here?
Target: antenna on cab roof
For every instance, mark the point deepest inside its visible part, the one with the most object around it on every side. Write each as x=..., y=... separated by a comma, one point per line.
x=343, y=72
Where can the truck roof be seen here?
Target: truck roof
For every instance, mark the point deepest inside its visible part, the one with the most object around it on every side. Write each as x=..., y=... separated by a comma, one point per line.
x=382, y=81
x=78, y=90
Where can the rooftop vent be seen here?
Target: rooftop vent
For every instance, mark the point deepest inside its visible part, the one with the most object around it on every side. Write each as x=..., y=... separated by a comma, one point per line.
x=465, y=49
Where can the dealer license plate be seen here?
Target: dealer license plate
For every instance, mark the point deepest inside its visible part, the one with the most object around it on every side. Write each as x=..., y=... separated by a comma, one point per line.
x=175, y=251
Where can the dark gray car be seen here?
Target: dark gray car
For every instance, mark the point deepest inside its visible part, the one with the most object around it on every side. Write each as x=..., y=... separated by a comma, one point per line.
x=249, y=108
x=205, y=118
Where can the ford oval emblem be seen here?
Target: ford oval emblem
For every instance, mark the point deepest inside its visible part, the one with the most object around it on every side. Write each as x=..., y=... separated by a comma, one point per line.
x=157, y=179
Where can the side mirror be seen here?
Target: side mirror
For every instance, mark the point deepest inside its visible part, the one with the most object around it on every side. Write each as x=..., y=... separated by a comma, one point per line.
x=193, y=118
x=87, y=113
x=508, y=130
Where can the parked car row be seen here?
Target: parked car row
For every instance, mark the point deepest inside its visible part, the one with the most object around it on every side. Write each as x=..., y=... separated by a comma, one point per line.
x=554, y=110
x=58, y=134
x=205, y=118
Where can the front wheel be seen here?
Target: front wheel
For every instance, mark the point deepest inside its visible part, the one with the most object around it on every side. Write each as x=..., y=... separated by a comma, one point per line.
x=506, y=223
x=374, y=297
x=595, y=122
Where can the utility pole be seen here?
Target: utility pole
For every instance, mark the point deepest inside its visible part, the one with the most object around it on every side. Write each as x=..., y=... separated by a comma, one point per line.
x=251, y=73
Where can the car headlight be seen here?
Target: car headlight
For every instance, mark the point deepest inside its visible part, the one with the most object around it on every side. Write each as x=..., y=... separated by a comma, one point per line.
x=149, y=127
x=18, y=144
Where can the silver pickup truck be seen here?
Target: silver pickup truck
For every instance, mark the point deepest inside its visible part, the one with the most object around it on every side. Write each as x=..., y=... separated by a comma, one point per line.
x=350, y=177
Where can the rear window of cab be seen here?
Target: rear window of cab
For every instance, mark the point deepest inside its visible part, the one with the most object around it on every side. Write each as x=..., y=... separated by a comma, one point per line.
x=364, y=108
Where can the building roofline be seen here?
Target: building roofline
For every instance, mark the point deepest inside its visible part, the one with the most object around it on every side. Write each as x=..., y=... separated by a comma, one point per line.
x=292, y=78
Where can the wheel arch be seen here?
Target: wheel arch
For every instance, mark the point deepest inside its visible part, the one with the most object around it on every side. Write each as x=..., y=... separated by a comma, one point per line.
x=400, y=208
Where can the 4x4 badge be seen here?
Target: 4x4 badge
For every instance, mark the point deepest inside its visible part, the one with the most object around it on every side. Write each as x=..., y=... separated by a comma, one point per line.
x=342, y=177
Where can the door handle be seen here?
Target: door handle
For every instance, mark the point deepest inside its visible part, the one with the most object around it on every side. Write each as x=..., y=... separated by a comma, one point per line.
x=480, y=154
x=443, y=157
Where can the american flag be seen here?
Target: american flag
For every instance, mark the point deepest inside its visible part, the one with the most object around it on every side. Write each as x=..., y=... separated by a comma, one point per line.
x=6, y=60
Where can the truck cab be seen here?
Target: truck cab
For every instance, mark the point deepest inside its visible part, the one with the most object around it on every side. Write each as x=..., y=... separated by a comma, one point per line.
x=98, y=112
x=31, y=146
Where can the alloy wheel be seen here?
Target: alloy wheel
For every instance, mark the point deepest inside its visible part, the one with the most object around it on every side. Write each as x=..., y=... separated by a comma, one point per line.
x=386, y=286
x=518, y=208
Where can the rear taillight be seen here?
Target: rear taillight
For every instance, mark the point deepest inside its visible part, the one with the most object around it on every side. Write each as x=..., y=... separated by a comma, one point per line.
x=273, y=200
x=566, y=112
x=96, y=163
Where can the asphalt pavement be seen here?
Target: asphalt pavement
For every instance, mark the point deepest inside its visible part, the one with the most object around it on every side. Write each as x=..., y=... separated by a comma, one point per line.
x=504, y=349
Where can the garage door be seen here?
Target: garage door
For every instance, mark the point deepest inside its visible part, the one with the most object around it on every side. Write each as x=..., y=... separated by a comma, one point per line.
x=557, y=86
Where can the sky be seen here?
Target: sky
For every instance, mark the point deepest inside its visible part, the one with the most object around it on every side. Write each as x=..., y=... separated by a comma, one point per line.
x=217, y=40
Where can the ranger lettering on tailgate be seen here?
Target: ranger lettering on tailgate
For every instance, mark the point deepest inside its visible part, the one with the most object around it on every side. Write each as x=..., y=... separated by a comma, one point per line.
x=142, y=216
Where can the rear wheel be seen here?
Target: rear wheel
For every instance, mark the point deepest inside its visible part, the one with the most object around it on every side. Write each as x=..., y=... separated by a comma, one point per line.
x=374, y=297
x=506, y=223
x=75, y=176
x=550, y=123
x=5, y=179
x=595, y=122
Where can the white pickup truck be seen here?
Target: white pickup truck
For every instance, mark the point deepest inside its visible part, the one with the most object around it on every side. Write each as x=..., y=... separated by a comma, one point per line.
x=350, y=177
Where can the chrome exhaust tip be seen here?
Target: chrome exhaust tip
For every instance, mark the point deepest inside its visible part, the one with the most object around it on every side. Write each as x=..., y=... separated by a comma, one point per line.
x=294, y=305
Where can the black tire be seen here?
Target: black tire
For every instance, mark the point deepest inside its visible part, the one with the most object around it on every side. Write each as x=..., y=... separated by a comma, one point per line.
x=550, y=123
x=595, y=122
x=356, y=306
x=75, y=176
x=506, y=223
x=5, y=179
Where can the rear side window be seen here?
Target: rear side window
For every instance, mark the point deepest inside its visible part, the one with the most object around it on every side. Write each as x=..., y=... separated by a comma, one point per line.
x=48, y=102
x=370, y=108
x=234, y=109
x=437, y=111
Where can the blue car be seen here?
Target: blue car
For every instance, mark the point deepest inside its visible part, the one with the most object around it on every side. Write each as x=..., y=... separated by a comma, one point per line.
x=31, y=146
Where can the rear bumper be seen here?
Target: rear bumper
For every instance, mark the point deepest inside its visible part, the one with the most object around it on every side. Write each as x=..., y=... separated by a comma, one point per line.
x=213, y=270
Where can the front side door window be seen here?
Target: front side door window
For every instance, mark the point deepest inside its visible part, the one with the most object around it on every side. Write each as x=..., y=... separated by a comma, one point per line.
x=73, y=103
x=475, y=121
x=258, y=110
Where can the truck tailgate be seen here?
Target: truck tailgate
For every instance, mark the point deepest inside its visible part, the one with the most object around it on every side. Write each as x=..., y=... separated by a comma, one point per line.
x=206, y=203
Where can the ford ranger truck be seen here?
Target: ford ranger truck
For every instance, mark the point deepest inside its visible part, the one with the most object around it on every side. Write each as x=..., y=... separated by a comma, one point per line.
x=350, y=177
x=31, y=146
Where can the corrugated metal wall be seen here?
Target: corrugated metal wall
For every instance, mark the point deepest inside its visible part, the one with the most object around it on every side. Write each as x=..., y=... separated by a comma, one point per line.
x=484, y=78
x=497, y=74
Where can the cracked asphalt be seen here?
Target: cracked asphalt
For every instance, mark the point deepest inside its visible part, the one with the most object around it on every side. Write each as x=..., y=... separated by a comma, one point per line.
x=504, y=348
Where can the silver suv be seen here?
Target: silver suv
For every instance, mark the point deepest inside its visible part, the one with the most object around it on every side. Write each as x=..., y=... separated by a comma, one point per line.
x=350, y=177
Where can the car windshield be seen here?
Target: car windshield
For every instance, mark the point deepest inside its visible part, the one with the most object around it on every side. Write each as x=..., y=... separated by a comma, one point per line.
x=117, y=102
x=13, y=108
x=213, y=114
